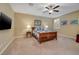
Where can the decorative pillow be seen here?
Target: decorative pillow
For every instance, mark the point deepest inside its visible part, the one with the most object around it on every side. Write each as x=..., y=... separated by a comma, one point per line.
x=39, y=29
x=42, y=29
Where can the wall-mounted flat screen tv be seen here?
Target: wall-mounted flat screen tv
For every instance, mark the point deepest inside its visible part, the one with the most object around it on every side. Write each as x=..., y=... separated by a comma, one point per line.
x=5, y=21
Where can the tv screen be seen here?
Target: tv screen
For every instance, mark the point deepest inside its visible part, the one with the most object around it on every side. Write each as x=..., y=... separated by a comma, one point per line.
x=5, y=21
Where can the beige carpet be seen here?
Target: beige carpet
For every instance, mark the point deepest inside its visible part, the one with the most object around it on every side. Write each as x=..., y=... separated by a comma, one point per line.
x=30, y=46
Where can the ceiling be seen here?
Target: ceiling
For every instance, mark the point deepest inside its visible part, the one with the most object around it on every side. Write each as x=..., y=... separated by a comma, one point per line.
x=37, y=9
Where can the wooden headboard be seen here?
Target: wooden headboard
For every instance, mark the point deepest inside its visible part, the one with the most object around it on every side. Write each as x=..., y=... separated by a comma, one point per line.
x=33, y=29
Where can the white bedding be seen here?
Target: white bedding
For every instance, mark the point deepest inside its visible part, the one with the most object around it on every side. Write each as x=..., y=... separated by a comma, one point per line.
x=36, y=34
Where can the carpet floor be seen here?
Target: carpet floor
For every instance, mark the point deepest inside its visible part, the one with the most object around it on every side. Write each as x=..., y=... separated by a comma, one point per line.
x=30, y=46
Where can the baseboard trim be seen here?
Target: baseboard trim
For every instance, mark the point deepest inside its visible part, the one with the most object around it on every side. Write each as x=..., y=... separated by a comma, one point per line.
x=64, y=35
x=19, y=36
x=6, y=46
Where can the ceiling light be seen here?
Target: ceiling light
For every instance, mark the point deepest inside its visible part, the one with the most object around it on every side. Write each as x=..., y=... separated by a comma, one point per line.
x=50, y=11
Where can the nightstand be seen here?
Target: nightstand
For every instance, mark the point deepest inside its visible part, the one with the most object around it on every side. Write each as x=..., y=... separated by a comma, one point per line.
x=29, y=34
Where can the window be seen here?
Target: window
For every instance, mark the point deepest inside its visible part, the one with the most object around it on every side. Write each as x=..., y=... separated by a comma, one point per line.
x=56, y=24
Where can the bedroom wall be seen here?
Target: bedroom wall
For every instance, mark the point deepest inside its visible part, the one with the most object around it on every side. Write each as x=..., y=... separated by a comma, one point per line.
x=69, y=30
x=47, y=22
x=6, y=36
x=22, y=20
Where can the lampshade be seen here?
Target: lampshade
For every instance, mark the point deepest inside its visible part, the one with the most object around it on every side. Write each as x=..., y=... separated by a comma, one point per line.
x=28, y=26
x=46, y=26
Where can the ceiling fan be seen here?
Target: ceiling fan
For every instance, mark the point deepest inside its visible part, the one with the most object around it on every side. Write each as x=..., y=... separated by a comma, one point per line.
x=51, y=8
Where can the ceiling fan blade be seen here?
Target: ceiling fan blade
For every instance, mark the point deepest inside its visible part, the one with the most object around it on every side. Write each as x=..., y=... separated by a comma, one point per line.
x=47, y=7
x=45, y=10
x=56, y=10
x=56, y=7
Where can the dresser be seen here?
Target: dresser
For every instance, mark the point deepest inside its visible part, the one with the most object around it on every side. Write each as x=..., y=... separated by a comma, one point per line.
x=77, y=38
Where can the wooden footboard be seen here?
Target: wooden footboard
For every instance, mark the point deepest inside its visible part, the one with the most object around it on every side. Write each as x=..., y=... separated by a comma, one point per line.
x=47, y=36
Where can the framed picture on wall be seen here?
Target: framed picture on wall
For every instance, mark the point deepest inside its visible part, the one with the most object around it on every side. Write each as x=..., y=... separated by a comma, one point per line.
x=74, y=21
x=63, y=22
x=37, y=22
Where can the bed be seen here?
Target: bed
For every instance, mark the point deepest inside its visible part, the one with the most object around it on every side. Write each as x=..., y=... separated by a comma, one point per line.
x=43, y=35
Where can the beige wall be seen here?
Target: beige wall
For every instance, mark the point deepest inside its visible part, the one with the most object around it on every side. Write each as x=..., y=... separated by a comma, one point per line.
x=6, y=35
x=22, y=20
x=48, y=22
x=69, y=30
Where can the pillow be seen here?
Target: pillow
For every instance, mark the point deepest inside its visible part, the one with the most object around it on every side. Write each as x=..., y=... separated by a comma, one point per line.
x=38, y=28
x=42, y=28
